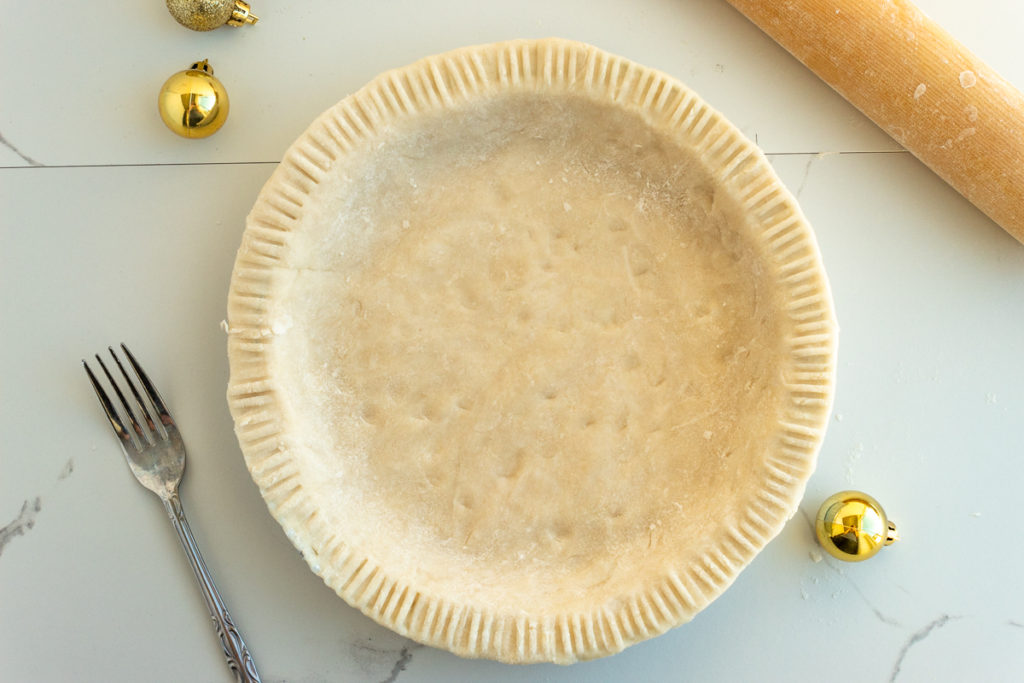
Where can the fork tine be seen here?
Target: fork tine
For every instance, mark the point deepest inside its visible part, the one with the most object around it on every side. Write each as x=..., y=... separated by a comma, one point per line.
x=154, y=395
x=143, y=440
x=135, y=392
x=115, y=421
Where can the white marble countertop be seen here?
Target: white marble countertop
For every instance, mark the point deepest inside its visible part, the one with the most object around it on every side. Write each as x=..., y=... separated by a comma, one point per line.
x=113, y=229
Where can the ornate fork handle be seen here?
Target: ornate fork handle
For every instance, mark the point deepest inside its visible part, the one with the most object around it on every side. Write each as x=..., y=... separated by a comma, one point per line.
x=235, y=651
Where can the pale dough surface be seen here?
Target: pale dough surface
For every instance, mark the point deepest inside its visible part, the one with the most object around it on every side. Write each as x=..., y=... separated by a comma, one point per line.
x=538, y=345
x=529, y=360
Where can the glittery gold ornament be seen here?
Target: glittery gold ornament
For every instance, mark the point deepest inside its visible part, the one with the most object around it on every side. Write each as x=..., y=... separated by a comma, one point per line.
x=193, y=103
x=206, y=15
x=852, y=526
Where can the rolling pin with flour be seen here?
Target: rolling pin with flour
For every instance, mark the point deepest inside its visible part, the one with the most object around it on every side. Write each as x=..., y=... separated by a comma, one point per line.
x=921, y=86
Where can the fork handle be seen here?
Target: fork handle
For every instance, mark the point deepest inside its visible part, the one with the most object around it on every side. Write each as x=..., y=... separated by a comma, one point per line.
x=237, y=654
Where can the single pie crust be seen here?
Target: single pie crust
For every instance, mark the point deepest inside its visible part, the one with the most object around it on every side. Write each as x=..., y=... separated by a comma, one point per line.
x=531, y=352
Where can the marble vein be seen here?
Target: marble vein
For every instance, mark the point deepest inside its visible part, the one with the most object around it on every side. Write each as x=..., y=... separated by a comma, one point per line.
x=807, y=174
x=25, y=520
x=914, y=639
x=69, y=467
x=7, y=143
x=369, y=657
x=853, y=584
x=404, y=657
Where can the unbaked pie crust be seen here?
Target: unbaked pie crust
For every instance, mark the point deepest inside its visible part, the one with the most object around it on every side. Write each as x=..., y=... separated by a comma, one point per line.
x=531, y=352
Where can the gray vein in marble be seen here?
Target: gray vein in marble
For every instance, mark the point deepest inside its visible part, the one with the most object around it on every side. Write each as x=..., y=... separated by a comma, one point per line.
x=1015, y=624
x=914, y=640
x=69, y=467
x=807, y=173
x=370, y=657
x=853, y=584
x=25, y=520
x=404, y=657
x=830, y=563
x=6, y=143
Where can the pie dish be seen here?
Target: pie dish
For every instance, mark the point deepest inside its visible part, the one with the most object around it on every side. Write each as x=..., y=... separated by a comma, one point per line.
x=531, y=352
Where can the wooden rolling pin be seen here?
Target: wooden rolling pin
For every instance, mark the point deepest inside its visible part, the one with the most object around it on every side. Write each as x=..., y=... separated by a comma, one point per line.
x=921, y=86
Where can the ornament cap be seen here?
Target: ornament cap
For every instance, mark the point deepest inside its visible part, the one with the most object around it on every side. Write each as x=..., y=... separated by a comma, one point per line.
x=852, y=526
x=241, y=15
x=893, y=535
x=203, y=66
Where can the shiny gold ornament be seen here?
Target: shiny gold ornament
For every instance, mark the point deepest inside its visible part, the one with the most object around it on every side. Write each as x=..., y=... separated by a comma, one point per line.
x=206, y=15
x=193, y=103
x=852, y=526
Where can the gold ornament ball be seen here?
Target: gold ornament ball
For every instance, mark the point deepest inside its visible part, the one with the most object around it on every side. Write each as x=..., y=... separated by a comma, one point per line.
x=852, y=526
x=193, y=103
x=206, y=15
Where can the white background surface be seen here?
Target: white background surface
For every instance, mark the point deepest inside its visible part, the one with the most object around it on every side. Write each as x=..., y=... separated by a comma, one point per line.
x=113, y=229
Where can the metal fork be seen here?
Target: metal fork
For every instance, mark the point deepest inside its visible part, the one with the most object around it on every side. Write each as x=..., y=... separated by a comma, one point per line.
x=156, y=456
